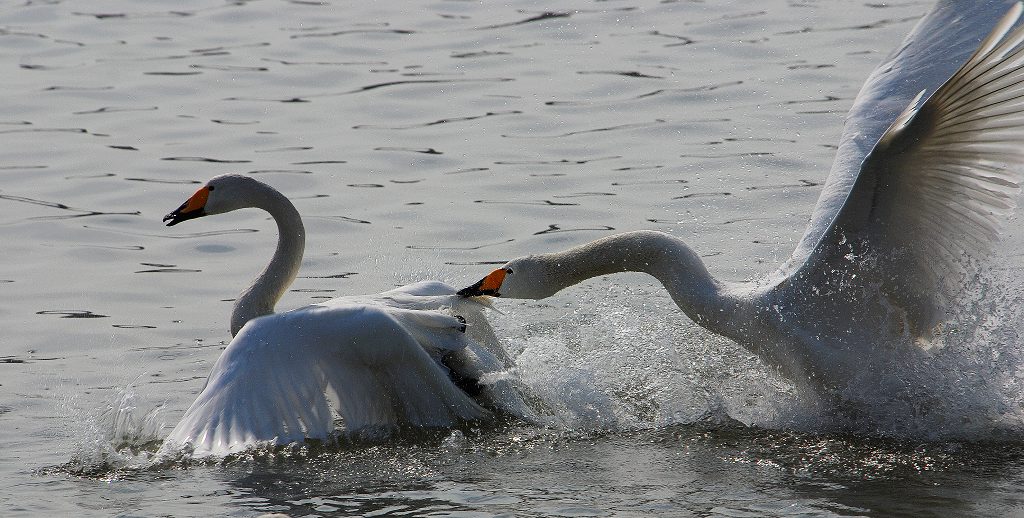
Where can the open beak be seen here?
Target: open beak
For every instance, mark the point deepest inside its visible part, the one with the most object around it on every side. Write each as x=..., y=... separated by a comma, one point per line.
x=487, y=286
x=191, y=209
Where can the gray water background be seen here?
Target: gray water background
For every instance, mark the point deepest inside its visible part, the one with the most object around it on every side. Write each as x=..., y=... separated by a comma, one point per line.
x=433, y=140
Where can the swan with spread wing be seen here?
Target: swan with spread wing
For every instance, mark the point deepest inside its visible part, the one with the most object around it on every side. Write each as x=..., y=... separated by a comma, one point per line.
x=926, y=174
x=380, y=362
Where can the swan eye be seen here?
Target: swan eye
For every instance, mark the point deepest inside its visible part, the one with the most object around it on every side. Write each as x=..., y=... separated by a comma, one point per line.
x=508, y=270
x=210, y=187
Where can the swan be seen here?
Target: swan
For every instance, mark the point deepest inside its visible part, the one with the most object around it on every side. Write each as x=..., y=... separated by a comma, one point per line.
x=926, y=174
x=398, y=358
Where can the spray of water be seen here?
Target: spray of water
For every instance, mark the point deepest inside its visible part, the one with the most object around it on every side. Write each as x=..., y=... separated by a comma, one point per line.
x=121, y=434
x=616, y=357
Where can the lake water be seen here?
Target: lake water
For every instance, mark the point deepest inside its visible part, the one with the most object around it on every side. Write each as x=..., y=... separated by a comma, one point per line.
x=433, y=140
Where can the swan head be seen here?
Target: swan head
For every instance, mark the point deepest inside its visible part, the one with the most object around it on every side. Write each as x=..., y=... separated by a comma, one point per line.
x=221, y=194
x=524, y=278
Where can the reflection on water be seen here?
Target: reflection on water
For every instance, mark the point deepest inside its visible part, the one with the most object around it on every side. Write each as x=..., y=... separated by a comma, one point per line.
x=673, y=470
x=436, y=141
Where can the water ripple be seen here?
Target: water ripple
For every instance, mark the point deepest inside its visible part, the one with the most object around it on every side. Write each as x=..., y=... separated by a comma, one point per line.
x=595, y=130
x=344, y=275
x=554, y=229
x=61, y=206
x=564, y=161
x=230, y=68
x=178, y=236
x=169, y=270
x=446, y=120
x=624, y=73
x=427, y=151
x=280, y=171
x=112, y=109
x=205, y=159
x=162, y=180
x=343, y=218
x=142, y=14
x=646, y=95
x=702, y=195
x=367, y=88
x=45, y=130
x=346, y=32
x=803, y=183
x=583, y=195
x=547, y=15
x=651, y=182
x=469, y=170
x=71, y=313
x=536, y=202
x=478, y=247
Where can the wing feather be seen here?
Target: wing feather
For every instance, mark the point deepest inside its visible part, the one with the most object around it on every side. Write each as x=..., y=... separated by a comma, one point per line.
x=953, y=33
x=935, y=192
x=282, y=375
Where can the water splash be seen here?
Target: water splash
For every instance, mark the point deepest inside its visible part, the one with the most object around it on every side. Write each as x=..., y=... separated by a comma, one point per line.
x=624, y=358
x=620, y=358
x=121, y=436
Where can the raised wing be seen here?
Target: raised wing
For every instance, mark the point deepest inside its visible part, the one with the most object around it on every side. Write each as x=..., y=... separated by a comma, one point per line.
x=934, y=192
x=283, y=376
x=937, y=46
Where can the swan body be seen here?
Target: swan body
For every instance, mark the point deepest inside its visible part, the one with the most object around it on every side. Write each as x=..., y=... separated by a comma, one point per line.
x=398, y=358
x=927, y=171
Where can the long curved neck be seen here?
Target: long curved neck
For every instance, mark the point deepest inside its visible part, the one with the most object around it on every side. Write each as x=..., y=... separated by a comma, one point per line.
x=704, y=299
x=260, y=298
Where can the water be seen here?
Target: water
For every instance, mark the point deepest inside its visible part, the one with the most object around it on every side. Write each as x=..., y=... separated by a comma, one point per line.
x=433, y=140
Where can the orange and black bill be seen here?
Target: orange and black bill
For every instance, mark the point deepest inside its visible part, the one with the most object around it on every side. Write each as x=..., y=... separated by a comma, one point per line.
x=193, y=208
x=487, y=286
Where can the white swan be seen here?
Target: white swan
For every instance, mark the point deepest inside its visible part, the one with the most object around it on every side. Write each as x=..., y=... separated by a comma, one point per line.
x=399, y=358
x=927, y=171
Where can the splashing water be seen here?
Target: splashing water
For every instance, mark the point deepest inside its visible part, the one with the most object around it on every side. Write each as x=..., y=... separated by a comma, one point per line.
x=122, y=435
x=620, y=358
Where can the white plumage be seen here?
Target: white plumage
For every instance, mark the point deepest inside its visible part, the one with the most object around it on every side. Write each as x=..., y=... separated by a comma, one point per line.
x=927, y=172
x=380, y=362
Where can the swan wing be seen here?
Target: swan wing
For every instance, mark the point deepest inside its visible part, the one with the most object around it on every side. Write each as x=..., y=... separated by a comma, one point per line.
x=940, y=43
x=483, y=360
x=934, y=192
x=282, y=378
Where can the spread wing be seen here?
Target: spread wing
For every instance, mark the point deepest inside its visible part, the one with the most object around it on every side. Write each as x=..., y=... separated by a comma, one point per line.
x=930, y=54
x=935, y=190
x=283, y=376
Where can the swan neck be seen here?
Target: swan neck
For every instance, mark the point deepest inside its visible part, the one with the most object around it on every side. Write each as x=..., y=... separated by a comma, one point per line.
x=271, y=284
x=680, y=270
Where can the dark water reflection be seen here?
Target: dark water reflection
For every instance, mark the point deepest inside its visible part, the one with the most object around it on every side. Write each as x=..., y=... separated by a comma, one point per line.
x=681, y=470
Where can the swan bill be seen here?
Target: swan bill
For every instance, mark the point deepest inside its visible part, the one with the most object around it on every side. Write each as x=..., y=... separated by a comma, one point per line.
x=193, y=208
x=487, y=286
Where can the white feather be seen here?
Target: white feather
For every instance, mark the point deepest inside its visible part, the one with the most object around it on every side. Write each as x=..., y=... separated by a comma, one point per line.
x=372, y=360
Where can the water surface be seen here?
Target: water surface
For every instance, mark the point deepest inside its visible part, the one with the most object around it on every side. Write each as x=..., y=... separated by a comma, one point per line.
x=433, y=140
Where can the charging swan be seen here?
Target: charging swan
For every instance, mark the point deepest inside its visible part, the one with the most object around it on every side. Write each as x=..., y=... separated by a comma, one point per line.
x=927, y=171
x=399, y=358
